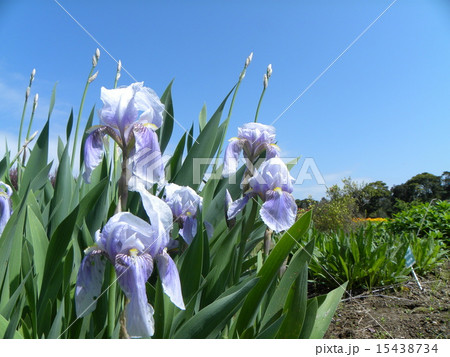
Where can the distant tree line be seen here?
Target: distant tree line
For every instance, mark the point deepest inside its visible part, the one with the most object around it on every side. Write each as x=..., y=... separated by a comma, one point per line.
x=375, y=199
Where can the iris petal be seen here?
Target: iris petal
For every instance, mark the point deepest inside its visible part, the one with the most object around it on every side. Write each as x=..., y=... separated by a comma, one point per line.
x=5, y=205
x=256, y=131
x=259, y=184
x=237, y=206
x=140, y=322
x=149, y=103
x=170, y=278
x=5, y=212
x=132, y=274
x=146, y=160
x=173, y=199
x=228, y=199
x=189, y=229
x=271, y=174
x=256, y=137
x=119, y=109
x=124, y=231
x=230, y=164
x=279, y=210
x=160, y=218
x=89, y=282
x=182, y=200
x=272, y=150
x=93, y=152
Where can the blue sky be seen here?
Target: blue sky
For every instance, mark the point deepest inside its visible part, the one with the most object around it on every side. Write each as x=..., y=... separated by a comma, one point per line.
x=380, y=112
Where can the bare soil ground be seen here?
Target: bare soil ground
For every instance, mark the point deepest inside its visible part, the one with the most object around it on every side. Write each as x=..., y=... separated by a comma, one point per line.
x=399, y=311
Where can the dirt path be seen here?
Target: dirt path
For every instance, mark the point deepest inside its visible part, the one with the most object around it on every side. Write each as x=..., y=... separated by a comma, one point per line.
x=400, y=311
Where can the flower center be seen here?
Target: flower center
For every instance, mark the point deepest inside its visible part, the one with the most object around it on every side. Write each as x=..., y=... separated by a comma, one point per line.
x=278, y=189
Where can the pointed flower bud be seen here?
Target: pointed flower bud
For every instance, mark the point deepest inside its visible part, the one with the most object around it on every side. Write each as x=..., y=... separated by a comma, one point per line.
x=117, y=76
x=33, y=73
x=92, y=78
x=94, y=61
x=248, y=60
x=269, y=71
x=265, y=81
x=35, y=103
x=27, y=93
x=119, y=66
x=97, y=53
x=33, y=136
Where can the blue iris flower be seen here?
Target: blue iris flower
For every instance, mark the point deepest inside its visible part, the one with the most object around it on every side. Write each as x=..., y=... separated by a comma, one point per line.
x=273, y=183
x=130, y=116
x=253, y=139
x=133, y=246
x=185, y=203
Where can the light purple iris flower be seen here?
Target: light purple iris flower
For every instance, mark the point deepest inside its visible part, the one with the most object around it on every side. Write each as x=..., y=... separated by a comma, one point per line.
x=253, y=139
x=5, y=205
x=273, y=183
x=132, y=246
x=130, y=116
x=185, y=203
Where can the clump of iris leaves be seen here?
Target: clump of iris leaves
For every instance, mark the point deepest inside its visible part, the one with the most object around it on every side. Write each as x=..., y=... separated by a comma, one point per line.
x=232, y=284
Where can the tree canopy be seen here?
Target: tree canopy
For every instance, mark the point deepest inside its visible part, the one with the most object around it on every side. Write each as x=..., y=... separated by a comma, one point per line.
x=375, y=199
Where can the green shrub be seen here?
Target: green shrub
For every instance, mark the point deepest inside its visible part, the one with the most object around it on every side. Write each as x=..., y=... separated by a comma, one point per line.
x=428, y=252
x=371, y=256
x=334, y=214
x=424, y=219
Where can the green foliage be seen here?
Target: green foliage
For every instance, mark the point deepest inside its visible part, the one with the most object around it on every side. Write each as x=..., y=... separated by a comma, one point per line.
x=423, y=188
x=230, y=290
x=337, y=211
x=424, y=219
x=371, y=256
x=445, y=182
x=362, y=258
x=428, y=252
x=376, y=200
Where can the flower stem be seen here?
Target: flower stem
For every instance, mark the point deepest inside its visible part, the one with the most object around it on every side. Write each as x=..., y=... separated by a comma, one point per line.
x=27, y=95
x=19, y=169
x=267, y=241
x=19, y=140
x=259, y=104
x=28, y=134
x=23, y=148
x=115, y=146
x=21, y=124
x=112, y=304
x=230, y=110
x=123, y=333
x=247, y=227
x=29, y=125
x=79, y=116
x=123, y=183
x=235, y=94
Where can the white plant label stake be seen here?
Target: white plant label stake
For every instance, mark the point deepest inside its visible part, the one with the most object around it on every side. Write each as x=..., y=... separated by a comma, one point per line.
x=409, y=257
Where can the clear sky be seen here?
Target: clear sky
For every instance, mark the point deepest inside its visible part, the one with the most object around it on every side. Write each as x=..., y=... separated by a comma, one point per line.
x=380, y=112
